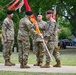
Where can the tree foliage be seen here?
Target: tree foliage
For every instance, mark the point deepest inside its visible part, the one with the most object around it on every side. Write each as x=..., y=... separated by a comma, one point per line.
x=65, y=33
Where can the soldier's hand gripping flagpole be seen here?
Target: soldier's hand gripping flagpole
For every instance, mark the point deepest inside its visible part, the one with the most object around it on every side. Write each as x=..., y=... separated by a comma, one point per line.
x=38, y=31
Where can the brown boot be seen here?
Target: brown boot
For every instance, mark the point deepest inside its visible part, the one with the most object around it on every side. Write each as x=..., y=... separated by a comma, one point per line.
x=26, y=66
x=47, y=65
x=38, y=64
x=11, y=63
x=7, y=63
x=22, y=65
x=58, y=64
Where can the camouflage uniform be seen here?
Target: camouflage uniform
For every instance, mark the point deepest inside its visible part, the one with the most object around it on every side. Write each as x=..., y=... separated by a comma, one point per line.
x=25, y=28
x=52, y=41
x=7, y=34
x=38, y=44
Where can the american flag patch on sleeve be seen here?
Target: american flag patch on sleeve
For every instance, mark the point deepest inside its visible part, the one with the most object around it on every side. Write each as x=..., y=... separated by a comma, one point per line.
x=51, y=26
x=3, y=24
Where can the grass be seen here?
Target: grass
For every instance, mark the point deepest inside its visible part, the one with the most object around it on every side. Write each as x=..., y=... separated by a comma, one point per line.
x=26, y=73
x=68, y=57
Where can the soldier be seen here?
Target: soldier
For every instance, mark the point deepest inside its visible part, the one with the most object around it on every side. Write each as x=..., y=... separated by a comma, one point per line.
x=51, y=38
x=25, y=28
x=38, y=43
x=8, y=37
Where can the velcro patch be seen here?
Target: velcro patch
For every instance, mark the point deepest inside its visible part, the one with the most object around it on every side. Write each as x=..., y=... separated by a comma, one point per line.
x=3, y=24
x=51, y=26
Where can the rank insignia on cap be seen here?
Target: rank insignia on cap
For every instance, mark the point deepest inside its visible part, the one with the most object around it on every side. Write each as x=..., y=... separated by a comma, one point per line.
x=39, y=13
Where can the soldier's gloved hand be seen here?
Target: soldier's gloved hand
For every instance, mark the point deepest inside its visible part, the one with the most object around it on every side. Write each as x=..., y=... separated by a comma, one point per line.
x=35, y=24
x=5, y=41
x=41, y=36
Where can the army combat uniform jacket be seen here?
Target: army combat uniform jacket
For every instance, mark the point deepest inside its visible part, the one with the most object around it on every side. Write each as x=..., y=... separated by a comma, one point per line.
x=41, y=25
x=7, y=29
x=25, y=28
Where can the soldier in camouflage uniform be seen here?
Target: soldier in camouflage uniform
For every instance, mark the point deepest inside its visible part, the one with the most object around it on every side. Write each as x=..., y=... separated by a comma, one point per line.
x=38, y=43
x=51, y=38
x=8, y=37
x=25, y=28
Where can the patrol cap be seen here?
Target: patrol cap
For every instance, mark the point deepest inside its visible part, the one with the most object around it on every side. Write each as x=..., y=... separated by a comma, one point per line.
x=39, y=13
x=9, y=12
x=29, y=13
x=48, y=12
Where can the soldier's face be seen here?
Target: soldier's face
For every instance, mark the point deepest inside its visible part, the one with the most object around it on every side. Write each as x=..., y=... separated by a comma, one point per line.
x=11, y=15
x=39, y=17
x=48, y=16
x=29, y=16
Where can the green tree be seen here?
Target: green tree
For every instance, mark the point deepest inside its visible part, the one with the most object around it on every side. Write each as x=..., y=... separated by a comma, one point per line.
x=65, y=33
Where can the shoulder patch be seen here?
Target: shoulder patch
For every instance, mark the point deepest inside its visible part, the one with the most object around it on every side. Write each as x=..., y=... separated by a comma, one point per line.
x=3, y=24
x=51, y=26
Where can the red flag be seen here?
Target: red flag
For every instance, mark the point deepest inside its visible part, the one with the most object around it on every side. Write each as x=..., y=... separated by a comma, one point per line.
x=19, y=6
x=54, y=14
x=16, y=5
x=28, y=8
x=27, y=5
x=13, y=5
